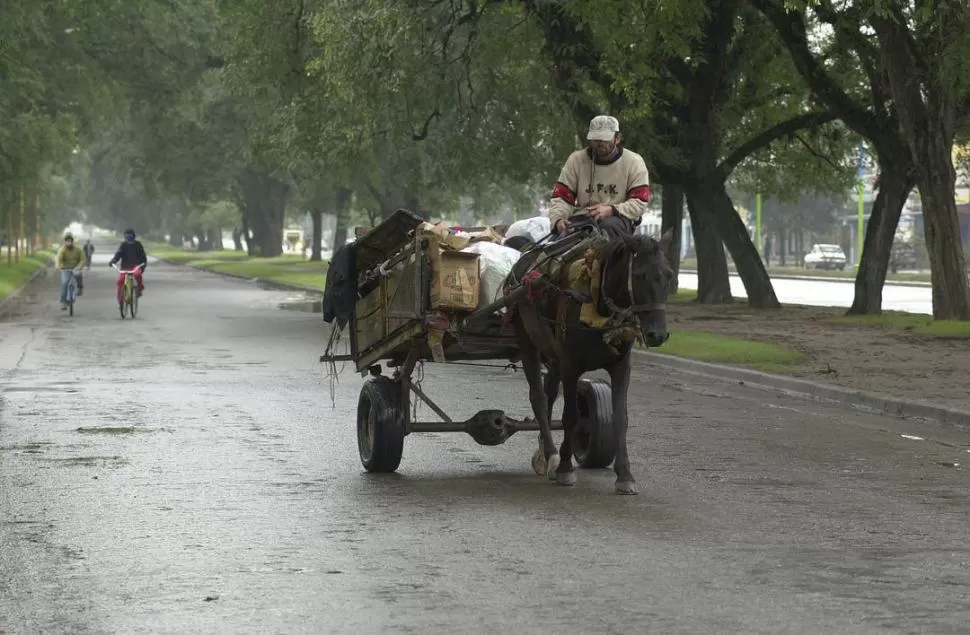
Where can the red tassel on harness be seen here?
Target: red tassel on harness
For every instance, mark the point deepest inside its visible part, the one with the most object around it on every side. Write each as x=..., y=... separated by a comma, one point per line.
x=527, y=280
x=531, y=294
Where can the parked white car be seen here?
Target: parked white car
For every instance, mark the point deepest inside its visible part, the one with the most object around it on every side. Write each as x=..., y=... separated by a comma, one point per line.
x=825, y=257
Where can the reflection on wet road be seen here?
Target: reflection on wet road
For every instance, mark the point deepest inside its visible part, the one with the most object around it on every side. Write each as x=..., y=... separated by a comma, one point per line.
x=185, y=472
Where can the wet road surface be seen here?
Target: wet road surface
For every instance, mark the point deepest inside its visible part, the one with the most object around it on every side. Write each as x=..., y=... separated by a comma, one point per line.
x=895, y=297
x=185, y=472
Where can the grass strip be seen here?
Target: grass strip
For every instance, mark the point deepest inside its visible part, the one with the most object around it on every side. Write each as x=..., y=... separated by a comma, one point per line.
x=292, y=270
x=15, y=275
x=721, y=349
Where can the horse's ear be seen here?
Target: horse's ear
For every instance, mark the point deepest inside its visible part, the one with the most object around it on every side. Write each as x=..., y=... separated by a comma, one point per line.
x=666, y=239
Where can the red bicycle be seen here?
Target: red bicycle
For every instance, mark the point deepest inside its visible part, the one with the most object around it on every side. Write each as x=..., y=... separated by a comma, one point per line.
x=127, y=297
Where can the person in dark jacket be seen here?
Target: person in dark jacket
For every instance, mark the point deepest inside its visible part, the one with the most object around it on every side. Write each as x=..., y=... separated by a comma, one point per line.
x=88, y=253
x=130, y=254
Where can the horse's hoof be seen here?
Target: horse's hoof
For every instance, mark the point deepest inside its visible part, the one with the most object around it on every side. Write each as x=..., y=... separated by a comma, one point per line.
x=627, y=488
x=566, y=478
x=552, y=464
x=538, y=463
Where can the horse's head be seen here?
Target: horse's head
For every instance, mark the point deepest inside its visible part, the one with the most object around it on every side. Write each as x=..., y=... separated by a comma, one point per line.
x=637, y=278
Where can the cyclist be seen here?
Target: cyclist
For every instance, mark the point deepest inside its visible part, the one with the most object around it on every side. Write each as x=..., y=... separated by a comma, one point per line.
x=68, y=259
x=131, y=253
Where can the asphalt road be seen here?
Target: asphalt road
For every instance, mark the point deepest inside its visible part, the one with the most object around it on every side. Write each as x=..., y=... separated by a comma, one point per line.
x=185, y=472
x=911, y=299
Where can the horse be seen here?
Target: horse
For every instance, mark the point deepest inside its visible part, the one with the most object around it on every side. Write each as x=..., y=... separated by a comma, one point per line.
x=634, y=279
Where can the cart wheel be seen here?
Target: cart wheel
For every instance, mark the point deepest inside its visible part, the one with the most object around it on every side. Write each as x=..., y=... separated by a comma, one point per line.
x=380, y=425
x=593, y=439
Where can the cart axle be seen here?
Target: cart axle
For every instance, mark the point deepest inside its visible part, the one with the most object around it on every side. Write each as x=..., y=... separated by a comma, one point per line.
x=487, y=427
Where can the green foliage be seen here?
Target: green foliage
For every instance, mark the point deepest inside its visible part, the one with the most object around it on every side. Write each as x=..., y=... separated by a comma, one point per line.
x=454, y=108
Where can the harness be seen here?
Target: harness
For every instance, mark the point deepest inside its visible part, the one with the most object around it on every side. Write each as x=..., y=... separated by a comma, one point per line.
x=623, y=323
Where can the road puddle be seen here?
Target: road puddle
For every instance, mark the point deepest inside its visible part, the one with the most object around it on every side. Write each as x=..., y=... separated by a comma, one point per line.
x=112, y=430
x=91, y=461
x=304, y=305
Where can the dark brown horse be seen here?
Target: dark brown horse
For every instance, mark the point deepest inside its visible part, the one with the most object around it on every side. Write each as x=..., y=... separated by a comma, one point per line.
x=634, y=278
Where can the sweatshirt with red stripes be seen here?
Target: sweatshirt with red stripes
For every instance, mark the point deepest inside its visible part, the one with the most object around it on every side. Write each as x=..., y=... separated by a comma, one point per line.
x=622, y=182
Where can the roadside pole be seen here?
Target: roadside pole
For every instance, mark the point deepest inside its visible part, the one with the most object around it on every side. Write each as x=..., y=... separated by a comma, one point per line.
x=20, y=230
x=757, y=222
x=860, y=229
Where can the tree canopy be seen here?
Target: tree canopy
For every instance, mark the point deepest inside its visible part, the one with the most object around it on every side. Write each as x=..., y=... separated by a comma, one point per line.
x=188, y=118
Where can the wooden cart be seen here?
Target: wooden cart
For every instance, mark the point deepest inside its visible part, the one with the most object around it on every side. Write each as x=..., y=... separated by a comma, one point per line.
x=401, y=321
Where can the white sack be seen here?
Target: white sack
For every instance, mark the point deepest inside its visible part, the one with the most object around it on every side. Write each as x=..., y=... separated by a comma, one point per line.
x=535, y=229
x=495, y=264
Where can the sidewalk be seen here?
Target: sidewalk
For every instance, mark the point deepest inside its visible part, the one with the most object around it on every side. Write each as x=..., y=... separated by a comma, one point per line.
x=892, y=358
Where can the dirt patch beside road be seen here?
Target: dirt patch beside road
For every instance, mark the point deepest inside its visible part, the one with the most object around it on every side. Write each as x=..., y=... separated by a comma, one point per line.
x=894, y=355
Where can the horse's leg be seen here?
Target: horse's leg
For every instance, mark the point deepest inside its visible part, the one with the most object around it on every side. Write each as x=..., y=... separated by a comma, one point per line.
x=545, y=460
x=551, y=388
x=565, y=474
x=551, y=385
x=620, y=376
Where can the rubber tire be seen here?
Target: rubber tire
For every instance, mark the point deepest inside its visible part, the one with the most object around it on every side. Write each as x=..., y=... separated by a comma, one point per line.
x=121, y=307
x=70, y=308
x=133, y=307
x=380, y=398
x=593, y=446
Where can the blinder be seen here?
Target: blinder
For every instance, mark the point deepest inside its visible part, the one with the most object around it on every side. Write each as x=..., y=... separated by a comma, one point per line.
x=633, y=308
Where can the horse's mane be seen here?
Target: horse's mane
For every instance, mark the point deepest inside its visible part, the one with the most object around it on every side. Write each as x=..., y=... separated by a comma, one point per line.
x=628, y=245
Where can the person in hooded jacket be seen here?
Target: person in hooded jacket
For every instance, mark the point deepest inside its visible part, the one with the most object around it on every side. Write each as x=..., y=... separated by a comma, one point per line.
x=130, y=254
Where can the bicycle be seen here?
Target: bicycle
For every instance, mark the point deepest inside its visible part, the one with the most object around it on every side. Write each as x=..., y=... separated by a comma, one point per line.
x=72, y=292
x=128, y=298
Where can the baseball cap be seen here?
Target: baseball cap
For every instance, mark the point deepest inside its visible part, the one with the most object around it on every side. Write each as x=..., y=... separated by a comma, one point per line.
x=603, y=128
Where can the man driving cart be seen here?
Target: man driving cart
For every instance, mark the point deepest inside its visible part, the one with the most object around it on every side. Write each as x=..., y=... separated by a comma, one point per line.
x=605, y=180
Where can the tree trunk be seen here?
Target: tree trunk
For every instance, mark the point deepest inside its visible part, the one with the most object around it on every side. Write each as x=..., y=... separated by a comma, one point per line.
x=782, y=245
x=672, y=203
x=265, y=205
x=237, y=239
x=716, y=202
x=937, y=179
x=713, y=280
x=340, y=209
x=894, y=188
x=198, y=234
x=925, y=100
x=316, y=217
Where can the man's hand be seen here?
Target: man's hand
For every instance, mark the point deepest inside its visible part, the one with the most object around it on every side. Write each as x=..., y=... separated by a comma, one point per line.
x=561, y=225
x=600, y=211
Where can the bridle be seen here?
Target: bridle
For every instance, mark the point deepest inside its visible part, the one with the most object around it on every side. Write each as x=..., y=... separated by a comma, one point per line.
x=631, y=312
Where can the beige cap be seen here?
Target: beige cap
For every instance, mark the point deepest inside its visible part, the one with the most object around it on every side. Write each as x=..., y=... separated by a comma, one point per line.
x=603, y=128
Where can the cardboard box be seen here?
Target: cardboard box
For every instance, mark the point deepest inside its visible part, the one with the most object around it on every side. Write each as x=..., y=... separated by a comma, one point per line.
x=489, y=235
x=454, y=280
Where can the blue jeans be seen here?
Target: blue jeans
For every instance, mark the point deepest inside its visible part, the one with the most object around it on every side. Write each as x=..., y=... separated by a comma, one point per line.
x=65, y=280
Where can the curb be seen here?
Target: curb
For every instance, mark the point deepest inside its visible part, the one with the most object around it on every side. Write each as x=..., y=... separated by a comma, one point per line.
x=8, y=301
x=814, y=391
x=282, y=286
x=888, y=283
